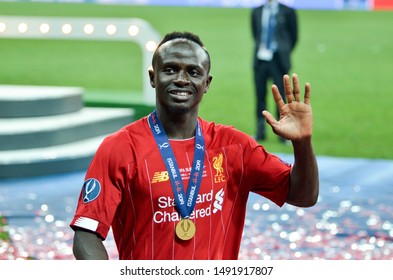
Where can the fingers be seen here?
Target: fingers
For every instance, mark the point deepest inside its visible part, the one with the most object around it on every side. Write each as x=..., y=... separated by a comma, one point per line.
x=296, y=88
x=307, y=91
x=269, y=118
x=277, y=96
x=292, y=92
x=288, y=88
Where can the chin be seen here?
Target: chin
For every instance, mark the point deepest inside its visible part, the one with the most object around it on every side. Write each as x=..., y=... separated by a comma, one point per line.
x=179, y=109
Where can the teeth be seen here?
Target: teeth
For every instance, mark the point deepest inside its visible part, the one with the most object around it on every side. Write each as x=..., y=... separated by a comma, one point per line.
x=181, y=93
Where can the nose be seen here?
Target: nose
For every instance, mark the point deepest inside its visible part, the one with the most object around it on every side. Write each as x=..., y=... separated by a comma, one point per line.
x=181, y=78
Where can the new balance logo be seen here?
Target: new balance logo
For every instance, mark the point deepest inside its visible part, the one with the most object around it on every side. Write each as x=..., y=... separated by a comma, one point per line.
x=160, y=177
x=219, y=201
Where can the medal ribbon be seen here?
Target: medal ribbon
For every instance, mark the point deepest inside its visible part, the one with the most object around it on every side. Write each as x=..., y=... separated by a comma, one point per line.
x=184, y=202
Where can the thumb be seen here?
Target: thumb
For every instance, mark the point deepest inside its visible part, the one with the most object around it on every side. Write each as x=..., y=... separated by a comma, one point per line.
x=269, y=118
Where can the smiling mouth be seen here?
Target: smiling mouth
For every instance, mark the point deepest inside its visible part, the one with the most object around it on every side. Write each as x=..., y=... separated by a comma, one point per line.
x=181, y=94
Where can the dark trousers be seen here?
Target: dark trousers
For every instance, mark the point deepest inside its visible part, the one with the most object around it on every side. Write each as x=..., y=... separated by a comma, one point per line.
x=263, y=72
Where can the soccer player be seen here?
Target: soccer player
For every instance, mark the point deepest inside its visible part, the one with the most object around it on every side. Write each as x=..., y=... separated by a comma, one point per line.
x=175, y=186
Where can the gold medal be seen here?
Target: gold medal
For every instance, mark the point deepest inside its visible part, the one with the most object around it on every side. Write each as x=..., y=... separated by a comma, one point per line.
x=185, y=229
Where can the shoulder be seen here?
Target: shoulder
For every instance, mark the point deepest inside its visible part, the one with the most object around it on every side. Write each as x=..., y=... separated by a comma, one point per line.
x=257, y=9
x=213, y=127
x=286, y=8
x=224, y=134
x=124, y=137
x=120, y=148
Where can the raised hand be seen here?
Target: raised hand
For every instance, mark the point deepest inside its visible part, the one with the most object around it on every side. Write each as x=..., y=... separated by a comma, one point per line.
x=296, y=118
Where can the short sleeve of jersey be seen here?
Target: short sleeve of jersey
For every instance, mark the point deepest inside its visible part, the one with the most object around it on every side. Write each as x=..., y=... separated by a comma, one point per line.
x=273, y=176
x=102, y=190
x=264, y=173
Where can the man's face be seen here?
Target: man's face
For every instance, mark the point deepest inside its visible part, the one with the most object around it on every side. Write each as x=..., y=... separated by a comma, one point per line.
x=180, y=75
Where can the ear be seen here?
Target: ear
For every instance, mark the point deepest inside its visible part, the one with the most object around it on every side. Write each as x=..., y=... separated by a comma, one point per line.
x=151, y=75
x=208, y=81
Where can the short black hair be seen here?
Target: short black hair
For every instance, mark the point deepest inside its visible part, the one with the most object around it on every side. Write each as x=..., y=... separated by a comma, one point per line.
x=186, y=36
x=181, y=35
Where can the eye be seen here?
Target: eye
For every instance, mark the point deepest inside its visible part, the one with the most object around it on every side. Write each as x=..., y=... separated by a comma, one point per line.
x=168, y=70
x=194, y=73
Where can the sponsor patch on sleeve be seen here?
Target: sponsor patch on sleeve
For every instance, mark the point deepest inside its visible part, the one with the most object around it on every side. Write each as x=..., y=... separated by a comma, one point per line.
x=91, y=190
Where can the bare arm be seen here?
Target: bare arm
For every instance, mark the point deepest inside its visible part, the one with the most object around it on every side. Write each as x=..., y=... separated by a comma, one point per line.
x=88, y=246
x=295, y=124
x=304, y=180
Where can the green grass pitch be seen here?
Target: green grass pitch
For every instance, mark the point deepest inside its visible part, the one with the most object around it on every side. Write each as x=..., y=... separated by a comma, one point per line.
x=346, y=56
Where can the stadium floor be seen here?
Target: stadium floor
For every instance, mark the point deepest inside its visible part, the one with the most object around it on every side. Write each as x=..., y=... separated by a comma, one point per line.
x=353, y=218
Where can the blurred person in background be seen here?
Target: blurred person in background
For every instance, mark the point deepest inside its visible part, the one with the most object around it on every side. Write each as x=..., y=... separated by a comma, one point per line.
x=275, y=33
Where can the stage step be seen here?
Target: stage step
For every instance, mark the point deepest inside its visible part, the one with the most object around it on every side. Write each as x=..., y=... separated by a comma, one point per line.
x=26, y=133
x=17, y=101
x=49, y=160
x=37, y=140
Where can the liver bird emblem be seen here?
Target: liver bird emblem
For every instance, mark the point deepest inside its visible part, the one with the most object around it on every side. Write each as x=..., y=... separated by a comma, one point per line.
x=217, y=164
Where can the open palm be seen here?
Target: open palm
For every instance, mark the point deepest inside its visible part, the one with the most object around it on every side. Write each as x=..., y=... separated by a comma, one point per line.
x=296, y=118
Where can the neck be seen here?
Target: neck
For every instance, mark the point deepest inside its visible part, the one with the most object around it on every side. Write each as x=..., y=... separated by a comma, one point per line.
x=178, y=126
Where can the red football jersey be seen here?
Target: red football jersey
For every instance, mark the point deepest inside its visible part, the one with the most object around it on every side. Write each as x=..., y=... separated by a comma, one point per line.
x=127, y=188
